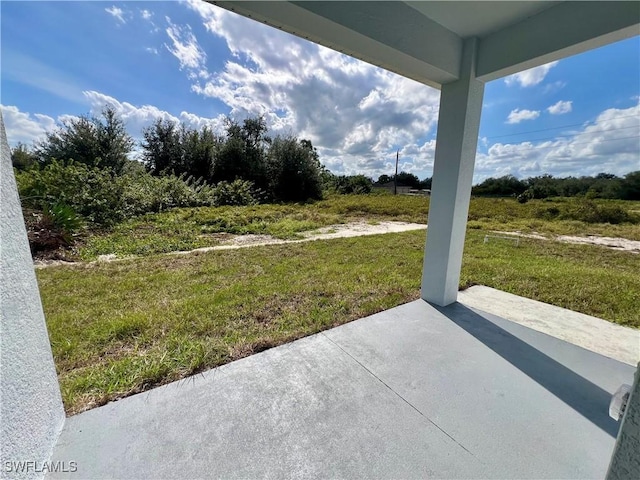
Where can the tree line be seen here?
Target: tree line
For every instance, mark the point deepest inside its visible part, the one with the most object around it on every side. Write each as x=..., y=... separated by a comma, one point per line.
x=81, y=175
x=602, y=185
x=280, y=168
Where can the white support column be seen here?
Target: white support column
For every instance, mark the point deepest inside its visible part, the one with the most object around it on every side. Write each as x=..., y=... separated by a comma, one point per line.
x=457, y=139
x=31, y=412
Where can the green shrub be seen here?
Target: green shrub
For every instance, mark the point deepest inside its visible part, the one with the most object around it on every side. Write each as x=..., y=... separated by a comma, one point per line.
x=352, y=184
x=65, y=219
x=591, y=212
x=546, y=213
x=144, y=193
x=90, y=192
x=103, y=199
x=236, y=193
x=52, y=229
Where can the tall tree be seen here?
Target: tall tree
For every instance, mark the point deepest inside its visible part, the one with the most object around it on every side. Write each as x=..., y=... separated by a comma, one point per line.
x=162, y=152
x=95, y=141
x=408, y=179
x=22, y=157
x=293, y=169
x=630, y=188
x=114, y=143
x=198, y=151
x=243, y=154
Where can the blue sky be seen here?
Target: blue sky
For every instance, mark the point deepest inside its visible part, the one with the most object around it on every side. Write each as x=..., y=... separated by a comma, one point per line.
x=195, y=63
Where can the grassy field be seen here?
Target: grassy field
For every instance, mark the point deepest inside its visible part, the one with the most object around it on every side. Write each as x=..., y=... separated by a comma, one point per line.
x=123, y=327
x=186, y=229
x=190, y=228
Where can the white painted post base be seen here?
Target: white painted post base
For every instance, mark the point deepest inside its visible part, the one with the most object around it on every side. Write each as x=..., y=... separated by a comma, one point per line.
x=457, y=139
x=625, y=460
x=31, y=412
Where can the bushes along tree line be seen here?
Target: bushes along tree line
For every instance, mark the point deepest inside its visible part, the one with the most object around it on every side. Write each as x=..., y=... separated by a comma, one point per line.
x=283, y=168
x=82, y=171
x=603, y=185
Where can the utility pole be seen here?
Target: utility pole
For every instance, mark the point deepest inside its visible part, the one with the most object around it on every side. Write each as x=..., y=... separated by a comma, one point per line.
x=395, y=178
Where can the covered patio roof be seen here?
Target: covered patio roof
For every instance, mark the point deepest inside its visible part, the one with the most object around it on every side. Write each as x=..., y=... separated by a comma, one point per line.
x=423, y=40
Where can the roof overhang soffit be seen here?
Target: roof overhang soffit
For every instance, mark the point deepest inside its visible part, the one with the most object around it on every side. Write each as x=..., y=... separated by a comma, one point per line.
x=394, y=36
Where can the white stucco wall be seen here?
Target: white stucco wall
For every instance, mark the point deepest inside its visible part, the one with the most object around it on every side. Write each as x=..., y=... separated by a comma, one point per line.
x=625, y=461
x=31, y=412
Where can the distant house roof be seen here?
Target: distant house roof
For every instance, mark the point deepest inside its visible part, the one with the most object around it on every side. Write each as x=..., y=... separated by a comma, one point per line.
x=390, y=185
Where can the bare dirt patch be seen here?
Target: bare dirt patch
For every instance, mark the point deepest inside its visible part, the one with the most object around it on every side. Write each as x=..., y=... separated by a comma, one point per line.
x=609, y=242
x=232, y=242
x=358, y=229
x=346, y=230
x=613, y=243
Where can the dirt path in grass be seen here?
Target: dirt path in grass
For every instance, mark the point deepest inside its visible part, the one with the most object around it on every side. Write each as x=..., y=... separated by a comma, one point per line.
x=613, y=243
x=357, y=229
x=230, y=242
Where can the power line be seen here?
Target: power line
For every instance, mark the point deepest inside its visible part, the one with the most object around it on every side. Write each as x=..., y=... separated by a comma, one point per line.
x=582, y=133
x=552, y=128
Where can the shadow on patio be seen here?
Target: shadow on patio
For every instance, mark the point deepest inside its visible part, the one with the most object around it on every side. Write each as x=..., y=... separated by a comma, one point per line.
x=413, y=392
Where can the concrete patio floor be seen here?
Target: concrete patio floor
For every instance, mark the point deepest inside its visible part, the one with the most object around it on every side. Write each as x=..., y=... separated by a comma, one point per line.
x=413, y=392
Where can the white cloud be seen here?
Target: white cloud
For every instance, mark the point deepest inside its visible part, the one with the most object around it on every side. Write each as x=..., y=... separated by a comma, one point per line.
x=185, y=46
x=531, y=77
x=116, y=13
x=28, y=128
x=560, y=108
x=356, y=114
x=608, y=144
x=138, y=117
x=25, y=127
x=152, y=50
x=554, y=87
x=147, y=15
x=517, y=115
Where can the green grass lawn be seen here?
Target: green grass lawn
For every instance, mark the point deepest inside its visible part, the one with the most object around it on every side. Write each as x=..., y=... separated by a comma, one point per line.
x=124, y=327
x=190, y=228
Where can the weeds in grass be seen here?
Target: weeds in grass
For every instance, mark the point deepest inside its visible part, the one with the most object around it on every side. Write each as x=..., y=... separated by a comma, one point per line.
x=162, y=318
x=122, y=328
x=190, y=228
